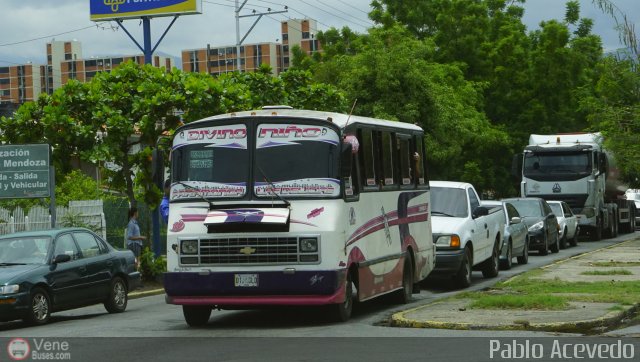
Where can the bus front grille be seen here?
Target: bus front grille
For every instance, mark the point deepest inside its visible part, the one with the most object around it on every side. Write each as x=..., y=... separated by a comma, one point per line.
x=260, y=250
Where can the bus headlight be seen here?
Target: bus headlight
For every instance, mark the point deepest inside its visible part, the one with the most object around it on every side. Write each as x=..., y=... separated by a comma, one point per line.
x=189, y=247
x=308, y=245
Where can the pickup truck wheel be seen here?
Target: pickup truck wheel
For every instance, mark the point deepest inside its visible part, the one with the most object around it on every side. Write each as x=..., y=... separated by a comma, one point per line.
x=506, y=264
x=463, y=278
x=524, y=258
x=574, y=240
x=490, y=267
x=196, y=315
x=563, y=241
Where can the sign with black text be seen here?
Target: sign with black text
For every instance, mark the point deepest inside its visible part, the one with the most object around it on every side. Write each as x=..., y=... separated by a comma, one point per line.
x=24, y=171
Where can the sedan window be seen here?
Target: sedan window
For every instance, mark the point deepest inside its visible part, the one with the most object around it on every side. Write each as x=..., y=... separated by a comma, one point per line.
x=88, y=244
x=27, y=250
x=66, y=246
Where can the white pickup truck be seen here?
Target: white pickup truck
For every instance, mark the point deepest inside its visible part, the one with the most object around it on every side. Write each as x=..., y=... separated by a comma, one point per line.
x=467, y=235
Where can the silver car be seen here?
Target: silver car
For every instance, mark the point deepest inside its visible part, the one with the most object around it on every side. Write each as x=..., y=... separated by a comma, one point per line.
x=516, y=236
x=568, y=221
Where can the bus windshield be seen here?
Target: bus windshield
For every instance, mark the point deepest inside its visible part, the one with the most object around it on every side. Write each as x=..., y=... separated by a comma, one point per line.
x=296, y=160
x=211, y=162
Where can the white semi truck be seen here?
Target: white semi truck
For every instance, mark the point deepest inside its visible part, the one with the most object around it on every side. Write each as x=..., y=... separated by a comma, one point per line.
x=575, y=168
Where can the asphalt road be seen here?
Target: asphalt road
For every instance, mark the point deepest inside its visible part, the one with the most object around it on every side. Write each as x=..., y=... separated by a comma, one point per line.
x=152, y=317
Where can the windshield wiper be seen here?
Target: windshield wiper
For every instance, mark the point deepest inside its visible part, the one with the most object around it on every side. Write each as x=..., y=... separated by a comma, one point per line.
x=433, y=212
x=10, y=264
x=273, y=192
x=211, y=204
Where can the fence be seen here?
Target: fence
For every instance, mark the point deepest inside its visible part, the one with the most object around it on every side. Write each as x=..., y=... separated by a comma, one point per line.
x=86, y=213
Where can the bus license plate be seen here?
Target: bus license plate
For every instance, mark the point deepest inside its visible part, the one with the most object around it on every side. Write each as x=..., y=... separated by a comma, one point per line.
x=246, y=280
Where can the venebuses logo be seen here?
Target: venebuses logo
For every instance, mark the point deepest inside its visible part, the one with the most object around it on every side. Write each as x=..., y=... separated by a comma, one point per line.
x=18, y=349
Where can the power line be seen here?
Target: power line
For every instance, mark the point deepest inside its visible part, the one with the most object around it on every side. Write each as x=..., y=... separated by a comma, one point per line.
x=332, y=14
x=353, y=7
x=214, y=3
x=48, y=36
x=347, y=14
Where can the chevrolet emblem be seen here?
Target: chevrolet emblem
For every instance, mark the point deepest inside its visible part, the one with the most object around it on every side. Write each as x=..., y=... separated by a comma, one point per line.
x=247, y=250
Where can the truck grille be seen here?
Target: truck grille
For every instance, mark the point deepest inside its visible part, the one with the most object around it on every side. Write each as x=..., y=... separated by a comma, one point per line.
x=260, y=250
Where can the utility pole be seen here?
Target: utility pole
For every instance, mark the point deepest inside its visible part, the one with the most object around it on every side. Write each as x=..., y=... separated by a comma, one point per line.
x=238, y=16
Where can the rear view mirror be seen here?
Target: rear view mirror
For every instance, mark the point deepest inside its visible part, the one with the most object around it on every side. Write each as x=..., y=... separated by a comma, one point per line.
x=61, y=258
x=515, y=220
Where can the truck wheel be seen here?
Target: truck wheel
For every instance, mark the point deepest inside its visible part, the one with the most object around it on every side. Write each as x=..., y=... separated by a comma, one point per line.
x=574, y=240
x=506, y=264
x=563, y=241
x=196, y=315
x=524, y=258
x=597, y=232
x=490, y=267
x=463, y=278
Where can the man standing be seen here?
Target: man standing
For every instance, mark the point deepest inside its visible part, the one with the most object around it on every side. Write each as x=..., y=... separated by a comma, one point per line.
x=134, y=239
x=164, y=205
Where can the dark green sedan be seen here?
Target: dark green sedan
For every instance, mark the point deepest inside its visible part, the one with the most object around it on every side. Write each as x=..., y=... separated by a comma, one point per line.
x=42, y=272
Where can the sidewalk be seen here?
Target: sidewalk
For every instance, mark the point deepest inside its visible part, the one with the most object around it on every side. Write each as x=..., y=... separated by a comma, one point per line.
x=579, y=317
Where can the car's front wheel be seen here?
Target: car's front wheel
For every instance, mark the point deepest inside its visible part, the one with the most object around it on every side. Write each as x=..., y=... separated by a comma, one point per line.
x=118, y=298
x=39, y=310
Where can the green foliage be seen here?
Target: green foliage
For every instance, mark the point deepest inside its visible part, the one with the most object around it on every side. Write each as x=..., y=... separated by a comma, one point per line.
x=74, y=219
x=151, y=267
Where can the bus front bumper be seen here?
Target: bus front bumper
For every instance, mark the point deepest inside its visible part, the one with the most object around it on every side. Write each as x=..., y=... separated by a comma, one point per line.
x=255, y=288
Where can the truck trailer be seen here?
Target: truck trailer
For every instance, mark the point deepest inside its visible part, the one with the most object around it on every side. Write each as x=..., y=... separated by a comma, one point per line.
x=575, y=168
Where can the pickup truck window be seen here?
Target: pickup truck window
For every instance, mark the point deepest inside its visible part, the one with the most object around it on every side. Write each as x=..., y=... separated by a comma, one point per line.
x=449, y=202
x=473, y=199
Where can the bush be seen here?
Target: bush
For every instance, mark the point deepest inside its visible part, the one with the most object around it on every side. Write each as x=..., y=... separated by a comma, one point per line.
x=151, y=267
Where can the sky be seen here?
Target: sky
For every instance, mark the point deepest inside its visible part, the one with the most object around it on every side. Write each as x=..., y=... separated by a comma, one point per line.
x=27, y=25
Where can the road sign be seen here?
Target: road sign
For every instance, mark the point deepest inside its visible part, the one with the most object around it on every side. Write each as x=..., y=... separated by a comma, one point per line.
x=24, y=171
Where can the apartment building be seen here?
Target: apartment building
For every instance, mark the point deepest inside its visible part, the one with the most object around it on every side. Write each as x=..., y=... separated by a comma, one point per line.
x=218, y=60
x=23, y=83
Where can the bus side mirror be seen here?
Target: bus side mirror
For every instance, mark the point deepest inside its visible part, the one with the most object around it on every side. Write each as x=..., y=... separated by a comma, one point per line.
x=346, y=159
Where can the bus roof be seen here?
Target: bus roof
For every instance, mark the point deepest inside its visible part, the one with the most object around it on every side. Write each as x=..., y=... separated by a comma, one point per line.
x=339, y=119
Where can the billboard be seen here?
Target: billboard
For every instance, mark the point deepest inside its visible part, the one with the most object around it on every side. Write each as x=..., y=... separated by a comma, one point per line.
x=126, y=9
x=24, y=171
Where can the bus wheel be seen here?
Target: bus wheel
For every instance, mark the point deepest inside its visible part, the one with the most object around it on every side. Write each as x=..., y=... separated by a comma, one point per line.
x=403, y=295
x=342, y=311
x=196, y=315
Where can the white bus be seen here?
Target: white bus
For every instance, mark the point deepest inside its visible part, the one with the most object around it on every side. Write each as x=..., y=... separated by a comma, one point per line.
x=294, y=207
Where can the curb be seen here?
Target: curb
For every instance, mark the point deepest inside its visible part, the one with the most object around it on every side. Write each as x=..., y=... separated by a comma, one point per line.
x=610, y=320
x=399, y=320
x=146, y=293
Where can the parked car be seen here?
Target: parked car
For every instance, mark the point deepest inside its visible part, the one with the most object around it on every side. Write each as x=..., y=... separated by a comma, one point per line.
x=42, y=272
x=567, y=221
x=541, y=222
x=467, y=235
x=634, y=194
x=515, y=240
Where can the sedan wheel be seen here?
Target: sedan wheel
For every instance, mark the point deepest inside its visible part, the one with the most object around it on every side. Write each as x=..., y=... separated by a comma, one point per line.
x=40, y=308
x=117, y=300
x=524, y=258
x=508, y=262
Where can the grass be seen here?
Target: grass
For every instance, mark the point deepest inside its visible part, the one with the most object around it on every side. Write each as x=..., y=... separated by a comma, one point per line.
x=526, y=302
x=606, y=264
x=607, y=272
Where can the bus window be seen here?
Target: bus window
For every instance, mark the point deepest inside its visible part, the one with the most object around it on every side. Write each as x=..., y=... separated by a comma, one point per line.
x=367, y=157
x=387, y=159
x=419, y=161
x=406, y=157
